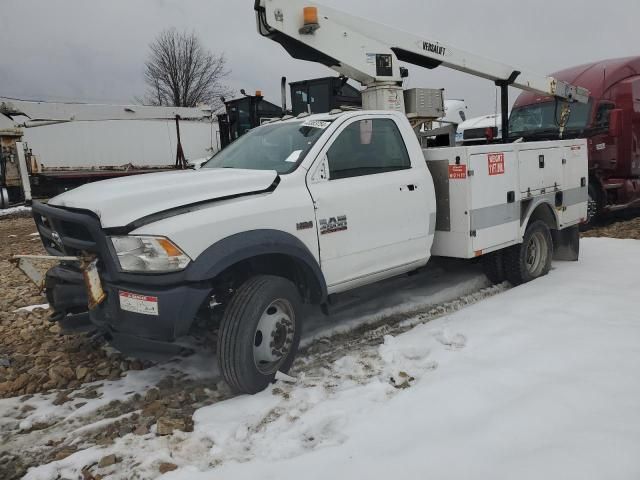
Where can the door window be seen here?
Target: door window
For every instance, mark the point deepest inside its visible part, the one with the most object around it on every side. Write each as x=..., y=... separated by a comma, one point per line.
x=602, y=115
x=319, y=98
x=367, y=147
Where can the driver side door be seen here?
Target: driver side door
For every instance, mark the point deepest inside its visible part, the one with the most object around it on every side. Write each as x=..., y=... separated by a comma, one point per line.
x=369, y=204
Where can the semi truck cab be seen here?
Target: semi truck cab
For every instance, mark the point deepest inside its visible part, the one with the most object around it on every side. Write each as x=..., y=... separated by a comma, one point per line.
x=610, y=122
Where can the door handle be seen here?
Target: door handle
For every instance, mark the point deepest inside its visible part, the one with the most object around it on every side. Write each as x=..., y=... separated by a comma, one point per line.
x=412, y=187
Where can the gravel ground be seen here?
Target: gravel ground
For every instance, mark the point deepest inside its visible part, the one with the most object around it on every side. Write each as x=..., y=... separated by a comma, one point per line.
x=38, y=362
x=625, y=225
x=36, y=358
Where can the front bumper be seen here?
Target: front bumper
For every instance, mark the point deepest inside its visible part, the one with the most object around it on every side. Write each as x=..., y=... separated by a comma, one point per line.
x=176, y=307
x=77, y=233
x=130, y=332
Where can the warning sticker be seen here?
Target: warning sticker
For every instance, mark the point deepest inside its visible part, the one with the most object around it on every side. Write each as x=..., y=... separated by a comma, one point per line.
x=143, y=304
x=457, y=172
x=496, y=164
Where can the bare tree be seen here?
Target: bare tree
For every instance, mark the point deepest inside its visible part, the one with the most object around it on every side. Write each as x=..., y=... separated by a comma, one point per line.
x=181, y=72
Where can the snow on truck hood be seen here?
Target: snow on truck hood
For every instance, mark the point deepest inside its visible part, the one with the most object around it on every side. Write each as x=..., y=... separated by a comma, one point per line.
x=120, y=201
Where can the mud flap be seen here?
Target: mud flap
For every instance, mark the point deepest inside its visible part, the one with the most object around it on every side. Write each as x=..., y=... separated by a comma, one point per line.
x=566, y=244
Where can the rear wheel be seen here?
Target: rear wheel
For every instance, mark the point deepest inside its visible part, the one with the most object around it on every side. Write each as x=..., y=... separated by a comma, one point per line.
x=259, y=333
x=493, y=266
x=532, y=258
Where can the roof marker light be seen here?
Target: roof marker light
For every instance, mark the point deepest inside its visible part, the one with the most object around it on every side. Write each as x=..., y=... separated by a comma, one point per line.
x=310, y=16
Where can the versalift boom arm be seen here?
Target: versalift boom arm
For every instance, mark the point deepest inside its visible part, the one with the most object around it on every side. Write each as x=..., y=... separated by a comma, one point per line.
x=370, y=52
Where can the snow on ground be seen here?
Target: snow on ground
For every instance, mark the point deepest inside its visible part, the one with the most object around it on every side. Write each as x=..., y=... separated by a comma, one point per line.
x=540, y=381
x=13, y=210
x=439, y=284
x=31, y=308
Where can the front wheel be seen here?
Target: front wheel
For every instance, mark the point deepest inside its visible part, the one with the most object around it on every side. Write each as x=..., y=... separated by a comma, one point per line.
x=259, y=333
x=532, y=258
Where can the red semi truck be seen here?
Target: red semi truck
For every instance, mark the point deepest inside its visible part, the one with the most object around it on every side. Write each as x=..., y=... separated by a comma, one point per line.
x=610, y=122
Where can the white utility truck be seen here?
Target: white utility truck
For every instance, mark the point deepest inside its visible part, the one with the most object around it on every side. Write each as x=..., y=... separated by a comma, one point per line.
x=303, y=208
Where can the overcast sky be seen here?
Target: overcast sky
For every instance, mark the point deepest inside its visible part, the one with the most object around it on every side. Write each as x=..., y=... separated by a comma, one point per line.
x=94, y=50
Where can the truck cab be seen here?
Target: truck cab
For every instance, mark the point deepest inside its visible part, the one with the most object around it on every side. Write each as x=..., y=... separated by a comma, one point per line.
x=610, y=122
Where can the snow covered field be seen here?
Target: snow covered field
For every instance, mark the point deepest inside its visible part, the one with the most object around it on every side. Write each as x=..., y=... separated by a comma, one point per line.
x=540, y=381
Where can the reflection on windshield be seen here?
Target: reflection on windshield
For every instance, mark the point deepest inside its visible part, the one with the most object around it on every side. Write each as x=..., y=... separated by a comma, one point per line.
x=280, y=147
x=546, y=117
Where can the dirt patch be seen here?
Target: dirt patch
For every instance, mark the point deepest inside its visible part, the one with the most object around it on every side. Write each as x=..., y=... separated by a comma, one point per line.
x=37, y=358
x=620, y=227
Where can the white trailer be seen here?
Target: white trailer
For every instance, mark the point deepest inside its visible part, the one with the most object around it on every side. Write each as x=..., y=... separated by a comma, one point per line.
x=118, y=144
x=68, y=144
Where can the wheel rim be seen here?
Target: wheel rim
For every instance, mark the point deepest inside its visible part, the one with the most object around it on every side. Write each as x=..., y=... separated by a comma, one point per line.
x=536, y=254
x=273, y=336
x=592, y=208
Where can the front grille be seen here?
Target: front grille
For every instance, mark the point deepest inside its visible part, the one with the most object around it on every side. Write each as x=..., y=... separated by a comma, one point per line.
x=479, y=133
x=67, y=233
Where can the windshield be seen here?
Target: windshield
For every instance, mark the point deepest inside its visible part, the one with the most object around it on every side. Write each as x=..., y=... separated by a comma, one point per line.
x=280, y=147
x=545, y=117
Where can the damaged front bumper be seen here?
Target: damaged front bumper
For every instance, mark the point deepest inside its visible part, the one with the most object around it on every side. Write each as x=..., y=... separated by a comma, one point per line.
x=138, y=313
x=137, y=320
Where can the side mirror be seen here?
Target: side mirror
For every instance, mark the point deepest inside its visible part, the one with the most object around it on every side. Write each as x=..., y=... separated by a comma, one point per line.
x=615, y=122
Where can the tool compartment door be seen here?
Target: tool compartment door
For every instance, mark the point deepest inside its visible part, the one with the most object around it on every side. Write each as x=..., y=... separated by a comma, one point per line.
x=540, y=168
x=495, y=205
x=575, y=183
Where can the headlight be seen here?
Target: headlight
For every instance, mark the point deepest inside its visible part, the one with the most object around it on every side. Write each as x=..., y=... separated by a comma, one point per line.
x=149, y=254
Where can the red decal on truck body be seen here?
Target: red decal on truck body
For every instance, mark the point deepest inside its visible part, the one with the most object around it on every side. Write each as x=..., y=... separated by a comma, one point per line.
x=457, y=172
x=496, y=164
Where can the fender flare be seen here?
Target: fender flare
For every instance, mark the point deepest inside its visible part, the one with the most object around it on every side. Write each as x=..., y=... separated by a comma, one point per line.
x=532, y=207
x=245, y=245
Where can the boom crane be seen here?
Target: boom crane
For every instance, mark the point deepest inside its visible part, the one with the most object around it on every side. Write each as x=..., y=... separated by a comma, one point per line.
x=370, y=52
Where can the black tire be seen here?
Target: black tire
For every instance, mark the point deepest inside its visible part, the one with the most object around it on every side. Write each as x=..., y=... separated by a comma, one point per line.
x=532, y=258
x=238, y=335
x=493, y=266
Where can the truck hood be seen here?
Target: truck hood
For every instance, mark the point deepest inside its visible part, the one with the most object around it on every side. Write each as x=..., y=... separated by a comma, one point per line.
x=121, y=201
